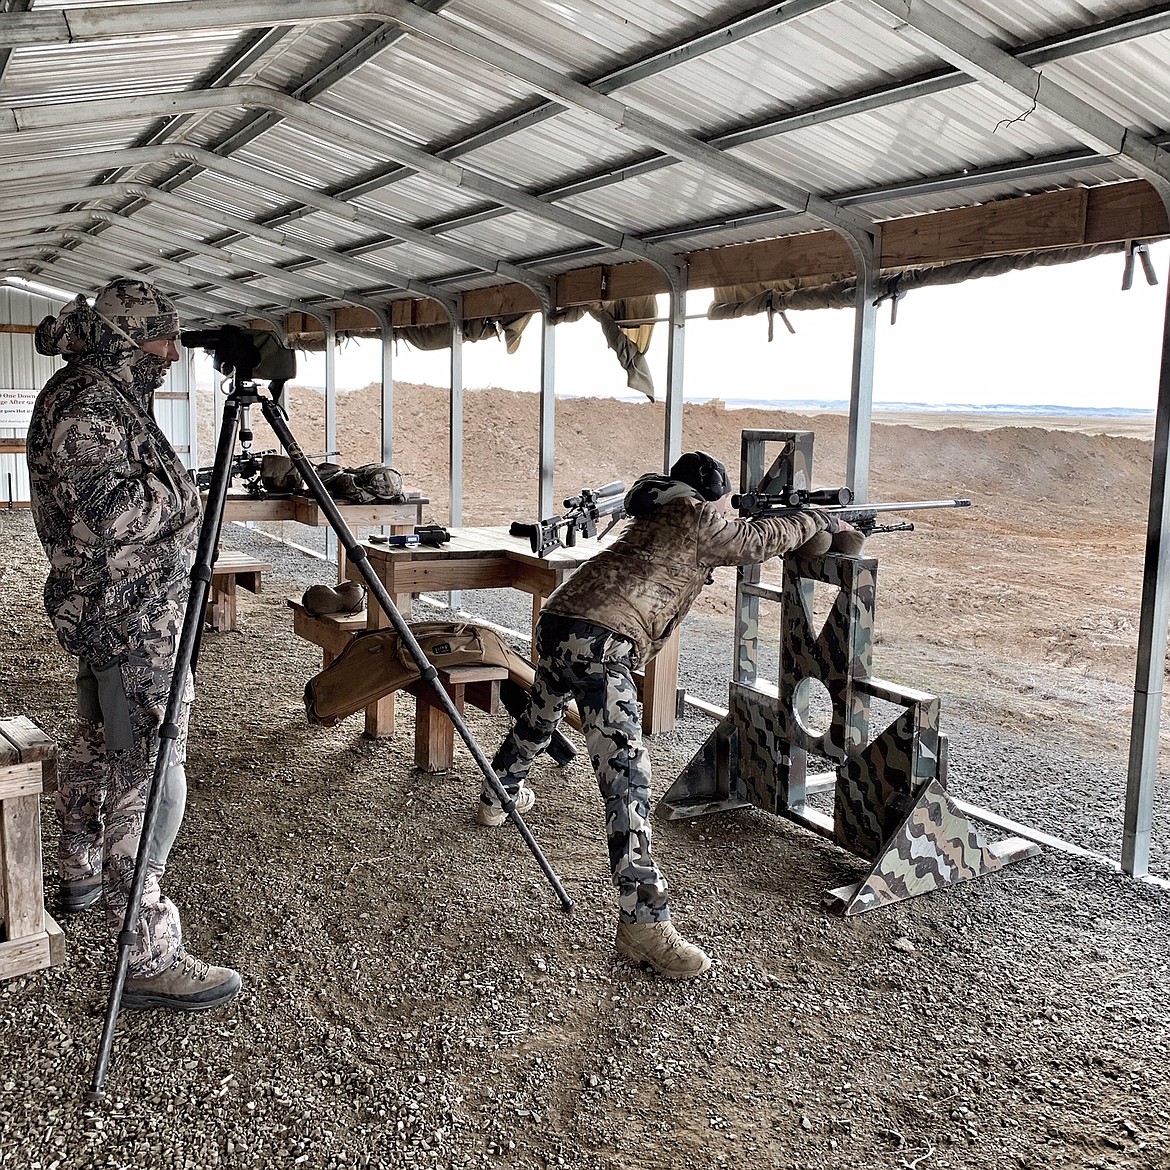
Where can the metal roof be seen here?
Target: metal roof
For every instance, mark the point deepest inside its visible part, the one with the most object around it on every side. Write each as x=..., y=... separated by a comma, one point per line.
x=260, y=157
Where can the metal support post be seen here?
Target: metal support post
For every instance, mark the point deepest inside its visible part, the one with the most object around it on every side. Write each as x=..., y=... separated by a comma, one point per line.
x=1151, y=659
x=866, y=254
x=672, y=438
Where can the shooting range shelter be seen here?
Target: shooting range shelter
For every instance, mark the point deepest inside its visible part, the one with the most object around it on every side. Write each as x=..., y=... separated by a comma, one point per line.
x=450, y=168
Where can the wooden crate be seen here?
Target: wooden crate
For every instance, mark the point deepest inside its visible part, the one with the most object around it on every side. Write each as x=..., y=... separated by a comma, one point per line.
x=29, y=938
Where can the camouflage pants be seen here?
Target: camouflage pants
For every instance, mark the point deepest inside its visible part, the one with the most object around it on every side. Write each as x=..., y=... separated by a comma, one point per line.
x=105, y=776
x=584, y=662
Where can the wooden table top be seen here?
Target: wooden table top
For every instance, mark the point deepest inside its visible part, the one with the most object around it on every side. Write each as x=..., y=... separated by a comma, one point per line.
x=306, y=510
x=470, y=543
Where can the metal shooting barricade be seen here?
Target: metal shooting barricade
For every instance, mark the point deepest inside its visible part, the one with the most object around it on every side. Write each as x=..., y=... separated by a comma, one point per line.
x=889, y=798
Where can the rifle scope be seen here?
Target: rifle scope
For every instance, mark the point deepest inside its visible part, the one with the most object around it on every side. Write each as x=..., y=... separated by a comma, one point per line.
x=592, y=495
x=793, y=497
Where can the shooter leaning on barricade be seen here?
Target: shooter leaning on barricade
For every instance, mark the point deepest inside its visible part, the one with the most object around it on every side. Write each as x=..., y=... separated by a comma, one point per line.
x=118, y=515
x=607, y=620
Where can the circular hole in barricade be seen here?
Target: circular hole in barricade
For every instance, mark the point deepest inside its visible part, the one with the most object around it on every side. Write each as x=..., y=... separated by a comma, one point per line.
x=813, y=707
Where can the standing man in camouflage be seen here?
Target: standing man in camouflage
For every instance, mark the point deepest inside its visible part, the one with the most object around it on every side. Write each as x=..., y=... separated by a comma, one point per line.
x=607, y=620
x=118, y=515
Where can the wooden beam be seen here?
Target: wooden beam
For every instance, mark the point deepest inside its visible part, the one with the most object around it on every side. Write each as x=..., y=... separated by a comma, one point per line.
x=1070, y=218
x=1124, y=211
x=1031, y=223
x=810, y=254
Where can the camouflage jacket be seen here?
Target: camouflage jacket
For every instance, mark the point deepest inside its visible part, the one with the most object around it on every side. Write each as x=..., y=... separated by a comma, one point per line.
x=116, y=510
x=645, y=583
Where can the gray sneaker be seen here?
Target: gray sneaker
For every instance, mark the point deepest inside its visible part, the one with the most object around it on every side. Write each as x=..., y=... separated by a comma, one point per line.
x=75, y=896
x=492, y=815
x=189, y=986
x=663, y=948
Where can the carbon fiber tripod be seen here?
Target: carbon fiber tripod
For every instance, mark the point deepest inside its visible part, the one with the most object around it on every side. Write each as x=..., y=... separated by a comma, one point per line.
x=236, y=355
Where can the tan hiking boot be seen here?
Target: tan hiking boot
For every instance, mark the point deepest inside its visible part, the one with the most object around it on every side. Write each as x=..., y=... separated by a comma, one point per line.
x=660, y=945
x=189, y=986
x=493, y=815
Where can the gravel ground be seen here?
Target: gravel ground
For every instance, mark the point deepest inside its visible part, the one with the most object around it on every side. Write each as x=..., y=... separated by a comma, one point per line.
x=414, y=996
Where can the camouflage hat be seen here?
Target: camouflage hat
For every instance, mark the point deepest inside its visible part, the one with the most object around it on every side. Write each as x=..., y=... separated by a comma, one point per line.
x=138, y=309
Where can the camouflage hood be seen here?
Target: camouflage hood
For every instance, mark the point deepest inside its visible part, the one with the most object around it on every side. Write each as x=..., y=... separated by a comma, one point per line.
x=651, y=493
x=78, y=331
x=107, y=336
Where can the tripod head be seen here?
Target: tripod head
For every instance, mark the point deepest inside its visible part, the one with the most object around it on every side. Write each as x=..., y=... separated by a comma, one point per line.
x=245, y=354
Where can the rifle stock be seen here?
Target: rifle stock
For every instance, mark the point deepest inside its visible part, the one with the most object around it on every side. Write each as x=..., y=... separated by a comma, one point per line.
x=581, y=516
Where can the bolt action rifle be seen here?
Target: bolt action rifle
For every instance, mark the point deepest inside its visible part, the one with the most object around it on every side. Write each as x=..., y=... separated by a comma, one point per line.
x=246, y=465
x=581, y=516
x=784, y=501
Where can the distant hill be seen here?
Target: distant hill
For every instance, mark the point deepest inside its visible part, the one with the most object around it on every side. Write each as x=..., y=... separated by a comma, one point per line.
x=598, y=440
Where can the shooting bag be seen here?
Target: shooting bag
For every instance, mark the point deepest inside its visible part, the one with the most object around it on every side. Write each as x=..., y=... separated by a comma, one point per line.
x=376, y=662
x=279, y=476
x=371, y=483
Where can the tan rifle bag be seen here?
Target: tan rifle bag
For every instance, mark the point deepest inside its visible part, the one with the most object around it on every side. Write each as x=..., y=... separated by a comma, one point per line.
x=376, y=662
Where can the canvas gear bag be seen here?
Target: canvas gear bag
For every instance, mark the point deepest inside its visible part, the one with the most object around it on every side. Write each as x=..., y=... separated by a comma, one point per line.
x=279, y=475
x=371, y=483
x=376, y=662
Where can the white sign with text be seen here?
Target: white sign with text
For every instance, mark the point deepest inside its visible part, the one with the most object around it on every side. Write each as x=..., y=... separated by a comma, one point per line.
x=16, y=407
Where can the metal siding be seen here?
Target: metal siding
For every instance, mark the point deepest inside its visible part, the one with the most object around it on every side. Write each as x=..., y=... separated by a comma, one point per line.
x=425, y=92
x=435, y=97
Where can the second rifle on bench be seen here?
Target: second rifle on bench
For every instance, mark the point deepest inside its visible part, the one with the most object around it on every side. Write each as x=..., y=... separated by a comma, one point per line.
x=583, y=512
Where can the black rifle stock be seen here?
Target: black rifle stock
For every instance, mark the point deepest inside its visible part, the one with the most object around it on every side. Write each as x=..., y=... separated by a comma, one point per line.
x=246, y=465
x=581, y=516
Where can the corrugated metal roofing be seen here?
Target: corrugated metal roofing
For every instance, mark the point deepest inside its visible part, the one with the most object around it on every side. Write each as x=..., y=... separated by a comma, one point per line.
x=833, y=97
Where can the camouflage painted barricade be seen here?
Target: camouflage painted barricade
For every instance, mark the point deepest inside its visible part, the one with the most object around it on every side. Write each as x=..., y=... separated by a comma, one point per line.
x=888, y=785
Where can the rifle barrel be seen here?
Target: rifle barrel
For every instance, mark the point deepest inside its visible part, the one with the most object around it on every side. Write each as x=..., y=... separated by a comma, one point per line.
x=907, y=506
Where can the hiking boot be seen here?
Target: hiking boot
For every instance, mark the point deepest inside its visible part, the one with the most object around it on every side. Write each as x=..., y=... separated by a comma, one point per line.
x=660, y=945
x=189, y=986
x=78, y=895
x=492, y=815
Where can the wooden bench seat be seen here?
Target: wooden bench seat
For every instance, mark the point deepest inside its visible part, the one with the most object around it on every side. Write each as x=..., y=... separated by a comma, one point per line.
x=29, y=938
x=331, y=631
x=232, y=570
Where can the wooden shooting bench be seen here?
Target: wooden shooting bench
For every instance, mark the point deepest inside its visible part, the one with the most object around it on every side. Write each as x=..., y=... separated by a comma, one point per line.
x=29, y=938
x=491, y=558
x=400, y=517
x=232, y=570
x=330, y=631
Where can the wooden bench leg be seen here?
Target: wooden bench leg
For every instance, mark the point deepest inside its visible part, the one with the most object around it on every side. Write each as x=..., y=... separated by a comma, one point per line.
x=434, y=733
x=380, y=714
x=20, y=863
x=221, y=604
x=660, y=689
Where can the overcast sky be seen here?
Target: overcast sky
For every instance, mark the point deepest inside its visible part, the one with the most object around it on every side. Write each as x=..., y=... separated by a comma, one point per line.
x=1063, y=336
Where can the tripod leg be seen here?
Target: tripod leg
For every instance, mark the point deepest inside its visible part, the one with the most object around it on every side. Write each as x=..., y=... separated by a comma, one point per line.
x=169, y=732
x=357, y=556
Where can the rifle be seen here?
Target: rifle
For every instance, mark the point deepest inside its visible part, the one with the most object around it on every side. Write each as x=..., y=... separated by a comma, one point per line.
x=581, y=515
x=246, y=465
x=784, y=501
